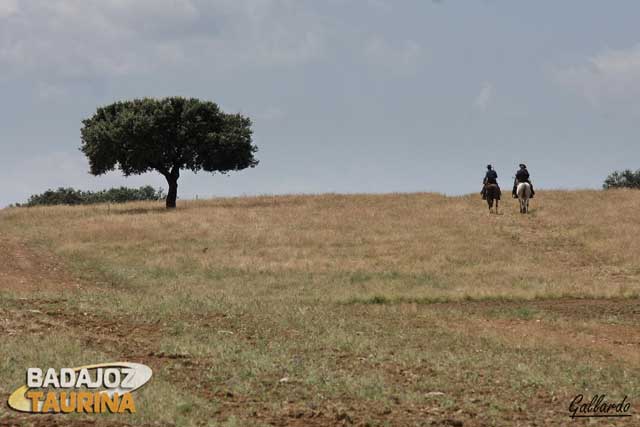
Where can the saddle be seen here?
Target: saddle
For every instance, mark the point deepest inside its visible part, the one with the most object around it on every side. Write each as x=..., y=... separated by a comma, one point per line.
x=518, y=182
x=492, y=186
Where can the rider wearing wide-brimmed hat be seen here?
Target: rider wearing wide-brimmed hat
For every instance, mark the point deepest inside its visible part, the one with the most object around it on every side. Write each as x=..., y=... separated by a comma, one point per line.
x=522, y=175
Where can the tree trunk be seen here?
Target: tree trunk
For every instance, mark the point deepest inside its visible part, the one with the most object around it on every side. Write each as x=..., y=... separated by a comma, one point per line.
x=172, y=195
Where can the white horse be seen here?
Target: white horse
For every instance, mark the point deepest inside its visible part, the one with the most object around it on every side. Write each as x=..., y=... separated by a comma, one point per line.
x=524, y=194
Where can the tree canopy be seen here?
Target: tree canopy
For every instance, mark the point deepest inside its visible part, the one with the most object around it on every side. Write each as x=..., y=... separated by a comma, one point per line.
x=167, y=135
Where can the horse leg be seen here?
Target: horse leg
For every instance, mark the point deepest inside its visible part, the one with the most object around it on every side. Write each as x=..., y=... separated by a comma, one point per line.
x=497, y=205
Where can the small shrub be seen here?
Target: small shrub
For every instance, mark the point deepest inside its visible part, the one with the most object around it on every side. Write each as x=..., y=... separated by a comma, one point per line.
x=623, y=179
x=71, y=196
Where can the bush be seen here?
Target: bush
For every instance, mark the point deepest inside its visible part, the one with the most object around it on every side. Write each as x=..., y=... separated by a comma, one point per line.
x=70, y=196
x=623, y=179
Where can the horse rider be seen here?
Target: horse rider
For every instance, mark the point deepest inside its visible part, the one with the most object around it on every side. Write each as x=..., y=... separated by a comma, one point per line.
x=522, y=175
x=491, y=177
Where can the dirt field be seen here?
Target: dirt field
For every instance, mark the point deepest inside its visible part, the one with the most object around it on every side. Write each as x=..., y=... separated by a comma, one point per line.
x=416, y=310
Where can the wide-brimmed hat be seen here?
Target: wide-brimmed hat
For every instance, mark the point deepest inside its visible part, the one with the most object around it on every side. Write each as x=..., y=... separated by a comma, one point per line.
x=522, y=165
x=489, y=167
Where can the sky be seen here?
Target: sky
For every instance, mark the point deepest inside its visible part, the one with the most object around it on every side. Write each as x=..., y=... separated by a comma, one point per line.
x=347, y=96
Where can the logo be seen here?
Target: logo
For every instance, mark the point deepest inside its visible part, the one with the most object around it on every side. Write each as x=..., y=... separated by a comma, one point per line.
x=93, y=389
x=599, y=407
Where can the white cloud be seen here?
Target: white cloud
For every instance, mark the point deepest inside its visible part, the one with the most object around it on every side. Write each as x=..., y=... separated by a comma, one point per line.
x=47, y=91
x=612, y=76
x=8, y=8
x=381, y=6
x=71, y=39
x=270, y=114
x=485, y=97
x=404, y=57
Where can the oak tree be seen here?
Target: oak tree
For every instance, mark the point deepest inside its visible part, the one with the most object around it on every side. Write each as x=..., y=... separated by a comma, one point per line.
x=167, y=135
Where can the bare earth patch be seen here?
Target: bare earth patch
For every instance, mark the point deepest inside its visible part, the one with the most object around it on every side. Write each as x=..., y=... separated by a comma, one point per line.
x=24, y=270
x=574, y=323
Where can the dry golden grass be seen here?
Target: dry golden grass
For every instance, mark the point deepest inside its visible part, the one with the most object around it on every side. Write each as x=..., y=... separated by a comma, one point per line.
x=338, y=247
x=335, y=293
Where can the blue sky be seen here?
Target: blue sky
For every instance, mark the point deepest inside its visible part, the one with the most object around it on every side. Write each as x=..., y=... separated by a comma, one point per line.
x=346, y=95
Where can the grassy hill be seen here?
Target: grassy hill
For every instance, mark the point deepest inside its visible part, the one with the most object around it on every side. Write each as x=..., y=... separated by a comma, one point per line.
x=399, y=309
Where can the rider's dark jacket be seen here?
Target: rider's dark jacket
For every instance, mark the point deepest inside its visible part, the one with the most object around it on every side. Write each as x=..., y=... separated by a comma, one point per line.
x=491, y=177
x=522, y=175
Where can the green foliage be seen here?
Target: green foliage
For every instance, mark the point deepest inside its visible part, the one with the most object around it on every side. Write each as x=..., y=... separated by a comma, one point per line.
x=166, y=135
x=70, y=196
x=623, y=179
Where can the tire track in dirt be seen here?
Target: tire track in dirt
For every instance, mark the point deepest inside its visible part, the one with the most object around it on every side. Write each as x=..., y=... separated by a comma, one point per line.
x=25, y=270
x=28, y=271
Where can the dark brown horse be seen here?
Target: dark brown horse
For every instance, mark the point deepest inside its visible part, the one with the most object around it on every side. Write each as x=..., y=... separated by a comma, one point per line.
x=493, y=195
